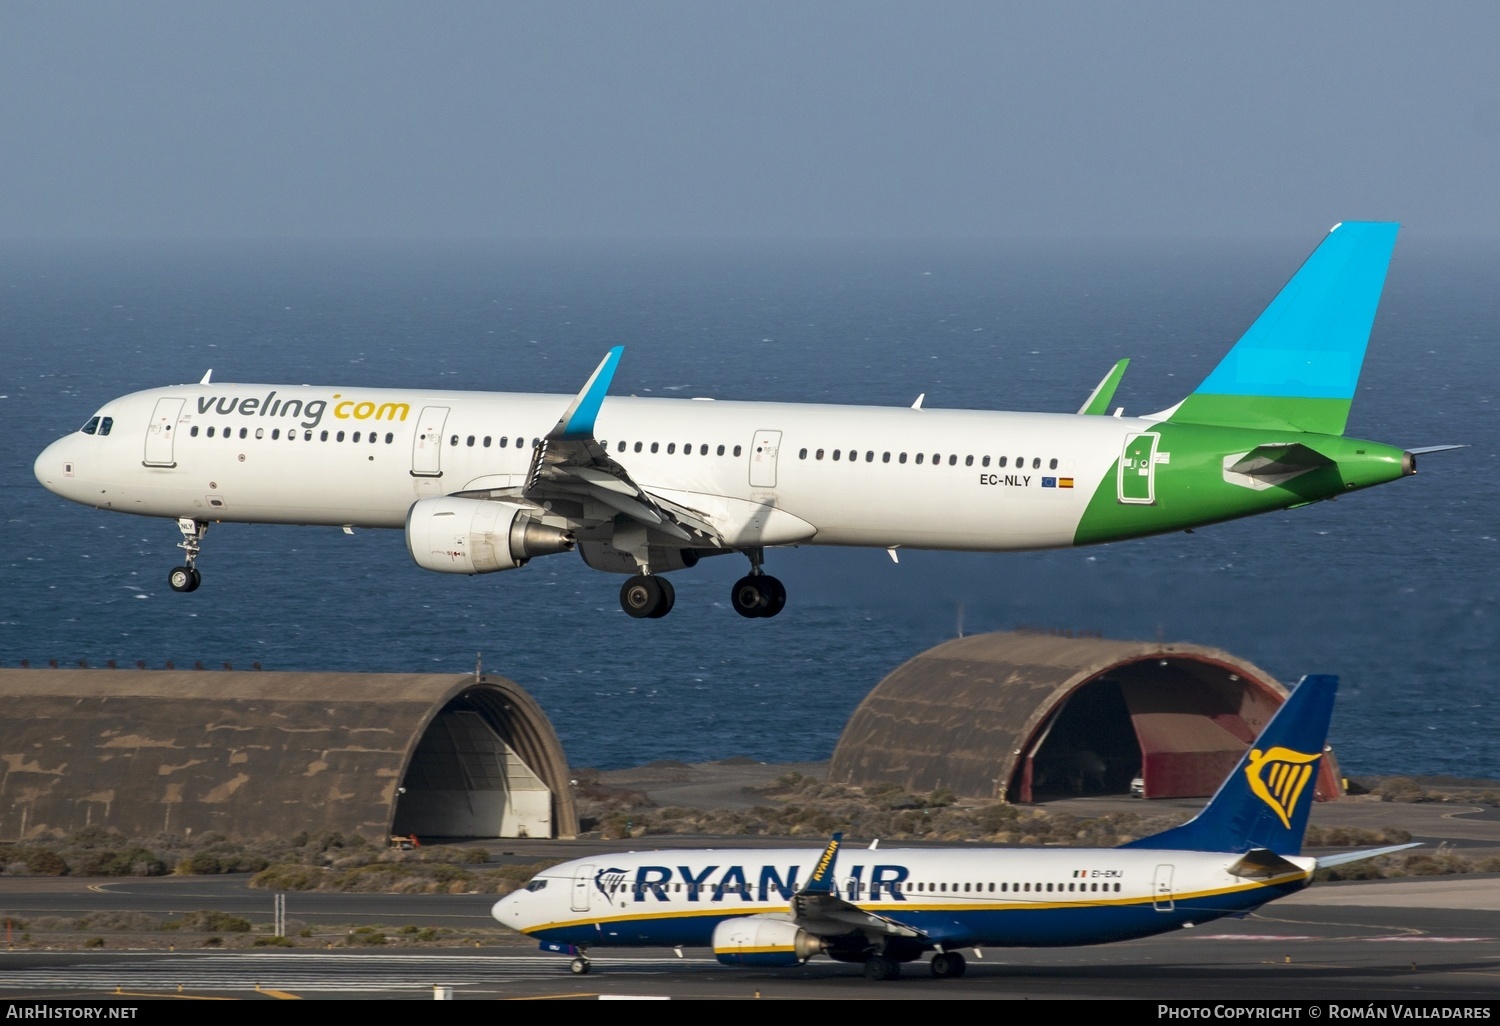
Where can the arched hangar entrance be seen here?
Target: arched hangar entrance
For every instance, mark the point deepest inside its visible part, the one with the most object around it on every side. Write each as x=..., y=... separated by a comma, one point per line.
x=260, y=755
x=1031, y=717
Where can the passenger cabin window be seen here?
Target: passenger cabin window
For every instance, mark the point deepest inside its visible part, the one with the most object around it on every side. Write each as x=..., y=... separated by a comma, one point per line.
x=210, y=432
x=194, y=431
x=721, y=450
x=736, y=450
x=655, y=446
x=1052, y=464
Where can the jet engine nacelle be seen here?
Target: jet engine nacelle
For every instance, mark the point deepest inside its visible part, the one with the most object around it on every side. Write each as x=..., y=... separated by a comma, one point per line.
x=604, y=556
x=756, y=941
x=478, y=536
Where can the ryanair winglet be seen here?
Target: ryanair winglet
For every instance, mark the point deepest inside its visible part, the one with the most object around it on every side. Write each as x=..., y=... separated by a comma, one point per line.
x=821, y=881
x=1265, y=802
x=1299, y=363
x=577, y=420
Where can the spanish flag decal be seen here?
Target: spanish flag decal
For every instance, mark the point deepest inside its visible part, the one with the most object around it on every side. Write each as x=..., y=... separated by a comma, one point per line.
x=1278, y=777
x=1065, y=482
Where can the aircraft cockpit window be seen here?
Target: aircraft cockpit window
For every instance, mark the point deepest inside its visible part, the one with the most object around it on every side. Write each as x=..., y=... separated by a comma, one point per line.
x=536, y=885
x=91, y=426
x=105, y=425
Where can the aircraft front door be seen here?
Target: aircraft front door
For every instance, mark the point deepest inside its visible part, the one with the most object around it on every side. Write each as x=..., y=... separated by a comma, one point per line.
x=427, y=446
x=1162, y=890
x=583, y=883
x=159, y=433
x=763, y=449
x=1138, y=469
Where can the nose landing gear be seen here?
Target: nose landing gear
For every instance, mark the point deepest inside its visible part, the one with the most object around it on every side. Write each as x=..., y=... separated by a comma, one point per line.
x=186, y=577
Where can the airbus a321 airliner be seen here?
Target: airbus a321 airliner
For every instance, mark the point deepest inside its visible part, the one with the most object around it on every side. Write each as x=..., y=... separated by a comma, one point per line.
x=885, y=906
x=482, y=482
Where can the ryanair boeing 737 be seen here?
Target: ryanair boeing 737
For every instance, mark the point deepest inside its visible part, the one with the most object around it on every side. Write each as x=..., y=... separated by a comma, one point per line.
x=482, y=482
x=885, y=906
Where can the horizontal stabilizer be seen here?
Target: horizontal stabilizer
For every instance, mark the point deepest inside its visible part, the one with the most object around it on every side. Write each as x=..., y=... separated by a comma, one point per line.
x=1324, y=861
x=1435, y=448
x=1263, y=864
x=1280, y=461
x=1097, y=404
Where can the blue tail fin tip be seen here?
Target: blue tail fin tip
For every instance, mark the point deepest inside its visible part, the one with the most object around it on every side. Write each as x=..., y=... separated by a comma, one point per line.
x=1309, y=343
x=1265, y=801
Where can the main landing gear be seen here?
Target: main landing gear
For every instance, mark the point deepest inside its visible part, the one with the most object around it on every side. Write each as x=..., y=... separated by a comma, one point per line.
x=186, y=577
x=758, y=594
x=579, y=966
x=647, y=597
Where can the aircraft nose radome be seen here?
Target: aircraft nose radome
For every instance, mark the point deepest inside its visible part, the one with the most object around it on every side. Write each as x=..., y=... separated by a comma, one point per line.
x=48, y=467
x=505, y=911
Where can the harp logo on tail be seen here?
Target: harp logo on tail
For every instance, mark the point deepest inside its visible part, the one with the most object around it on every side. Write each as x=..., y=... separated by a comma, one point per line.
x=1278, y=777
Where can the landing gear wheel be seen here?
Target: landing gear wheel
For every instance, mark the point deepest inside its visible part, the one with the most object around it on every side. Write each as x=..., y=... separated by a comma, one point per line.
x=881, y=968
x=647, y=597
x=758, y=595
x=579, y=966
x=775, y=593
x=949, y=965
x=184, y=578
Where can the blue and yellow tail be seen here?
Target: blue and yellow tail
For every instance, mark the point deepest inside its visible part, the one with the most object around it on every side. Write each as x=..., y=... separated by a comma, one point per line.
x=1264, y=803
x=1298, y=365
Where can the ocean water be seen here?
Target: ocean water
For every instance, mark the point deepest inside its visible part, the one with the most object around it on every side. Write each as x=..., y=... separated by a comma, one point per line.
x=1393, y=589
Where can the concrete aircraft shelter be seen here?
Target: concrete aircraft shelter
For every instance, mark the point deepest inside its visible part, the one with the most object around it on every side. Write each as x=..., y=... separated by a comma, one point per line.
x=255, y=755
x=1027, y=717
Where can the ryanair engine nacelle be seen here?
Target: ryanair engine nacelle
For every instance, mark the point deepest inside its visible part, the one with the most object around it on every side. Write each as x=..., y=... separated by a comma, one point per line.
x=762, y=941
x=454, y=535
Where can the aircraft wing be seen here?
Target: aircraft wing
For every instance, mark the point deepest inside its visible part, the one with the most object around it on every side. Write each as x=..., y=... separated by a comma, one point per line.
x=818, y=909
x=570, y=465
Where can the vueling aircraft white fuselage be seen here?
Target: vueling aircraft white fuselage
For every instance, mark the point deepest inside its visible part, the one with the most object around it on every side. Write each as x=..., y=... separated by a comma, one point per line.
x=482, y=482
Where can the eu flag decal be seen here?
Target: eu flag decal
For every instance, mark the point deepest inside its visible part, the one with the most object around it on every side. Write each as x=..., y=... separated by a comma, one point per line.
x=1049, y=482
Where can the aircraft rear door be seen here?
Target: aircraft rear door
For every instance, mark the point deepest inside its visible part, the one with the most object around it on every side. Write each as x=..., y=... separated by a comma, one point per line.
x=763, y=449
x=159, y=433
x=427, y=445
x=1162, y=890
x=1138, y=469
x=583, y=880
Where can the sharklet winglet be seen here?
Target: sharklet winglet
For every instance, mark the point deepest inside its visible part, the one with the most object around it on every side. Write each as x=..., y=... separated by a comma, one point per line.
x=1097, y=404
x=577, y=420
